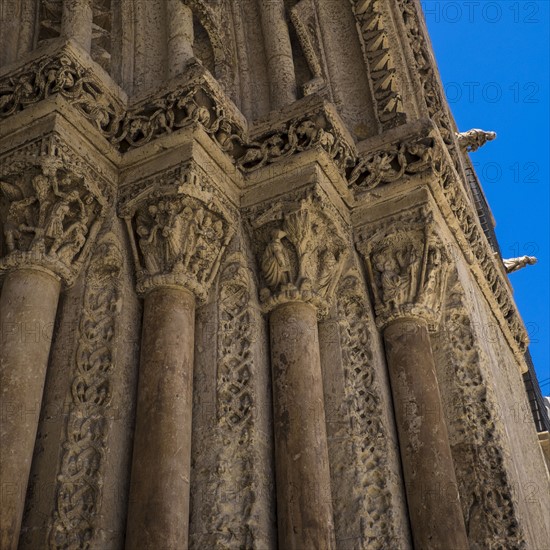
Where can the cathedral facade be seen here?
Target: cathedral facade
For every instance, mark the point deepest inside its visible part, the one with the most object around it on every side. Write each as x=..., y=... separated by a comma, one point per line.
x=251, y=291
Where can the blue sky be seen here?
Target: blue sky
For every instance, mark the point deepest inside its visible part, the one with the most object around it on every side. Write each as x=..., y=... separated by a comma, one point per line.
x=493, y=57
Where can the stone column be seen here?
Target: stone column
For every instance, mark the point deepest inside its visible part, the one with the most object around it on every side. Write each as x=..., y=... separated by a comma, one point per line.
x=296, y=293
x=159, y=492
x=76, y=22
x=407, y=274
x=178, y=242
x=27, y=314
x=280, y=62
x=432, y=491
x=48, y=233
x=304, y=506
x=180, y=36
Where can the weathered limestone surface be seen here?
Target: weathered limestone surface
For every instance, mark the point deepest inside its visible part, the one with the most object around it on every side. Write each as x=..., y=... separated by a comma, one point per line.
x=27, y=315
x=304, y=504
x=274, y=283
x=162, y=441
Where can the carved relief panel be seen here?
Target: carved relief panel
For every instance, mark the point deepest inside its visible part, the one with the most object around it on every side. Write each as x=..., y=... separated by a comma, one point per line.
x=301, y=251
x=407, y=266
x=50, y=211
x=178, y=234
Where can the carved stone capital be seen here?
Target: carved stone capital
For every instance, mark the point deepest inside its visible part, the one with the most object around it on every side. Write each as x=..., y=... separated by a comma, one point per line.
x=178, y=233
x=407, y=267
x=301, y=252
x=51, y=212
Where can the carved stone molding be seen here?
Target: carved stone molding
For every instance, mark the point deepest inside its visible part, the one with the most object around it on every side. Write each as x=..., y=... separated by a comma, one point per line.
x=301, y=251
x=178, y=232
x=388, y=164
x=79, y=487
x=407, y=267
x=372, y=25
x=51, y=210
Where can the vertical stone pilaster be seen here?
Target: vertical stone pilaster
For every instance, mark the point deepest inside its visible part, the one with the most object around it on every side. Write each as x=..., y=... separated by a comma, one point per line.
x=407, y=267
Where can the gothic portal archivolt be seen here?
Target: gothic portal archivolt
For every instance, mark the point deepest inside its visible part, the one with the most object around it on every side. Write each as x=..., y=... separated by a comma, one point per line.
x=244, y=272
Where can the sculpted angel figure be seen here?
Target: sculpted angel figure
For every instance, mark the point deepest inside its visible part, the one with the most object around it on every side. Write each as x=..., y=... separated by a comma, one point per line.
x=275, y=261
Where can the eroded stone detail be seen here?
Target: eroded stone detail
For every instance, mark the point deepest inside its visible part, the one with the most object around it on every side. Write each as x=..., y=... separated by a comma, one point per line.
x=51, y=214
x=380, y=62
x=407, y=267
x=472, y=140
x=301, y=253
x=79, y=488
x=304, y=18
x=391, y=163
x=368, y=510
x=489, y=502
x=178, y=236
x=515, y=264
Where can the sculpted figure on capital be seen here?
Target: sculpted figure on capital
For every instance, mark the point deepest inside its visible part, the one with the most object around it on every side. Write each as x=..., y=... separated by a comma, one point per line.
x=407, y=271
x=178, y=239
x=48, y=214
x=301, y=253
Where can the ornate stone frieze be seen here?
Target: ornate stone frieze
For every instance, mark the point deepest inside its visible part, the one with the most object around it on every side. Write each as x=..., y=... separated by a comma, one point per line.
x=51, y=211
x=411, y=156
x=179, y=233
x=301, y=251
x=61, y=74
x=315, y=129
x=79, y=488
x=407, y=267
x=425, y=69
x=487, y=495
x=386, y=89
x=472, y=140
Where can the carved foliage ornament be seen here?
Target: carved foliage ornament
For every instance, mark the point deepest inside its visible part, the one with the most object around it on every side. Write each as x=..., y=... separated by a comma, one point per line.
x=407, y=268
x=178, y=235
x=391, y=163
x=79, y=488
x=50, y=215
x=301, y=253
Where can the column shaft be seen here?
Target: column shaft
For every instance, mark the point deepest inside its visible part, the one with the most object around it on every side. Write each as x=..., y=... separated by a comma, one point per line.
x=432, y=492
x=77, y=22
x=180, y=36
x=304, y=506
x=28, y=307
x=278, y=51
x=159, y=493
